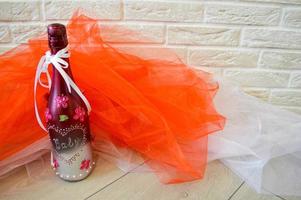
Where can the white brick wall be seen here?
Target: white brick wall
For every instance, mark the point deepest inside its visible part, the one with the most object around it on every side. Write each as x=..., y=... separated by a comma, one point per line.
x=256, y=43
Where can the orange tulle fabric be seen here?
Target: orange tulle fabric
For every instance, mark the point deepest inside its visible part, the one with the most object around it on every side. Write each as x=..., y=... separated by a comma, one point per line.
x=146, y=100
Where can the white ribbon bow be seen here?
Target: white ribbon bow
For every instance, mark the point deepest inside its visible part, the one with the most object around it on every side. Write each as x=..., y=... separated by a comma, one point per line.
x=60, y=64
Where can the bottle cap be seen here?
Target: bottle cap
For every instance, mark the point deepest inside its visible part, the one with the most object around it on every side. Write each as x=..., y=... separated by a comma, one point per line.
x=57, y=36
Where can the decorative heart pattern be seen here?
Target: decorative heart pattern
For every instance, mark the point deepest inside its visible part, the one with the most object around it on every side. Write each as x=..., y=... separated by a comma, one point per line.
x=65, y=140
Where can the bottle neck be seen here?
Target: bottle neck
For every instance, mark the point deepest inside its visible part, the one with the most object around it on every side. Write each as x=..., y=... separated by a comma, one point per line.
x=57, y=40
x=55, y=49
x=57, y=79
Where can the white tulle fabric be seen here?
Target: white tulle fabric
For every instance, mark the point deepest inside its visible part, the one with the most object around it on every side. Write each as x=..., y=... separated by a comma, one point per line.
x=260, y=143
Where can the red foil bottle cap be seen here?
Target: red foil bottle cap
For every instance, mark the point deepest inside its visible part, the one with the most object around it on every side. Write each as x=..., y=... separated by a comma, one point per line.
x=57, y=36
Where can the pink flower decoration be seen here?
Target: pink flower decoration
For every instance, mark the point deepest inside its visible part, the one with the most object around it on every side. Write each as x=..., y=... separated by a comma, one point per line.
x=48, y=115
x=62, y=101
x=85, y=164
x=55, y=163
x=79, y=114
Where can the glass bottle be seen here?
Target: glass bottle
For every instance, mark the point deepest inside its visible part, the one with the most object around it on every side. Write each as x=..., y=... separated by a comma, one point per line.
x=67, y=119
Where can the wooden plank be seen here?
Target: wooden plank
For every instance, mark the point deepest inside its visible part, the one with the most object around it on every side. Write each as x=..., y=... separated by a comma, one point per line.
x=108, y=182
x=18, y=186
x=246, y=192
x=291, y=198
x=219, y=183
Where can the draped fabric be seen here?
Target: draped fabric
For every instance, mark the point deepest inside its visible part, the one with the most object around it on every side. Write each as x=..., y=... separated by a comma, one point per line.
x=149, y=107
x=159, y=108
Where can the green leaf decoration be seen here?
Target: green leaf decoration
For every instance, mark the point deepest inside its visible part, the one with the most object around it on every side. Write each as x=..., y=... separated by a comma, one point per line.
x=63, y=118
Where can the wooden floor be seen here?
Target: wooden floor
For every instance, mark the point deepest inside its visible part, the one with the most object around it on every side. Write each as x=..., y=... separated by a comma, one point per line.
x=109, y=183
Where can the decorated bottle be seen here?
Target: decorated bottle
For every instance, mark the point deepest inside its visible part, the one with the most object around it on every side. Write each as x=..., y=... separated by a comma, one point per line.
x=67, y=119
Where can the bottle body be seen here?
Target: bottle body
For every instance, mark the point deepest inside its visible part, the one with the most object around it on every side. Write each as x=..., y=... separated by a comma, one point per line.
x=69, y=132
x=67, y=121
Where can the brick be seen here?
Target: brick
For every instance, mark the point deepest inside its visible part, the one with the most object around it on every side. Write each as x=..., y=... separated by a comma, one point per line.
x=180, y=52
x=257, y=78
x=223, y=58
x=277, y=1
x=4, y=49
x=296, y=110
x=133, y=33
x=102, y=9
x=286, y=97
x=272, y=38
x=215, y=71
x=196, y=35
x=19, y=10
x=5, y=35
x=163, y=11
x=21, y=33
x=262, y=94
x=280, y=60
x=252, y=15
x=292, y=17
x=295, y=80
x=172, y=54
